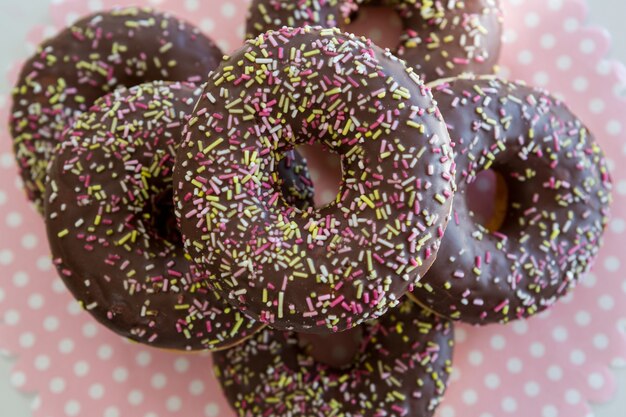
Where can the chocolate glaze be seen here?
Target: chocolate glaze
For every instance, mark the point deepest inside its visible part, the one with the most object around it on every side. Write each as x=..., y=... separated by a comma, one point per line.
x=94, y=56
x=327, y=269
x=559, y=192
x=111, y=227
x=402, y=369
x=441, y=38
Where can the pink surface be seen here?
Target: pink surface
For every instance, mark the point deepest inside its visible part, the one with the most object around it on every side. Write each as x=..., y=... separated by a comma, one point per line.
x=549, y=366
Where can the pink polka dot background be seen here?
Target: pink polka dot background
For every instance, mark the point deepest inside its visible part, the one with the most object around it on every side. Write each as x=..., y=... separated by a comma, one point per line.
x=549, y=366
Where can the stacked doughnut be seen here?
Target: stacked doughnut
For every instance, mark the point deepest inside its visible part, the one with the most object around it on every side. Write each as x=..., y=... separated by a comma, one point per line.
x=181, y=216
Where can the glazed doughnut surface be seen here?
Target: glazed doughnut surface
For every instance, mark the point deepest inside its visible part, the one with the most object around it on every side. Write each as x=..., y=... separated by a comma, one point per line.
x=559, y=192
x=331, y=268
x=111, y=226
x=94, y=56
x=402, y=369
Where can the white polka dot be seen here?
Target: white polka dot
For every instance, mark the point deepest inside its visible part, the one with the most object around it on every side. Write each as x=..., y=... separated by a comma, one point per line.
x=3, y=198
x=90, y=330
x=525, y=57
x=196, y=387
x=537, y=350
x=572, y=397
x=6, y=160
x=18, y=379
x=492, y=381
x=58, y=286
x=531, y=19
x=51, y=324
x=455, y=375
x=614, y=127
x=555, y=4
x=583, y=318
x=555, y=373
x=2, y=294
x=604, y=67
x=228, y=9
x=470, y=397
x=532, y=389
x=158, y=381
x=174, y=403
x=181, y=365
x=120, y=374
x=74, y=308
x=509, y=36
x=72, y=408
x=66, y=346
x=600, y=341
x=111, y=412
x=580, y=84
x=596, y=381
x=559, y=334
x=29, y=241
x=20, y=279
x=35, y=301
x=207, y=24
x=105, y=352
x=6, y=257
x=96, y=391
x=447, y=411
x=606, y=302
x=611, y=263
x=541, y=78
x=621, y=187
x=95, y=5
x=81, y=368
x=475, y=357
x=192, y=5
x=35, y=405
x=11, y=317
x=587, y=46
x=548, y=41
x=597, y=106
x=618, y=225
x=564, y=62
x=549, y=411
x=27, y=340
x=42, y=362
x=57, y=385
x=143, y=358
x=498, y=342
x=577, y=357
x=14, y=219
x=520, y=327
x=135, y=397
x=514, y=365
x=44, y=263
x=571, y=24
x=211, y=410
x=589, y=280
x=509, y=405
x=460, y=335
x=225, y=46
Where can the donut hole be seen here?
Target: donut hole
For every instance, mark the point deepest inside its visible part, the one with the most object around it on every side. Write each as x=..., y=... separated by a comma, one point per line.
x=325, y=170
x=488, y=199
x=337, y=350
x=378, y=22
x=161, y=216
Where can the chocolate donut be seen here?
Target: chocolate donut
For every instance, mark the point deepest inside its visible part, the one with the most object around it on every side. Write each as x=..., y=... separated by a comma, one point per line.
x=440, y=38
x=111, y=227
x=559, y=192
x=402, y=369
x=89, y=59
x=326, y=269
